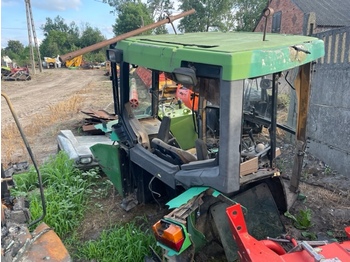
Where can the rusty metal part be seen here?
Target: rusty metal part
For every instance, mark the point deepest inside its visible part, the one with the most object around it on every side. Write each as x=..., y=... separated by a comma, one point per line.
x=25, y=141
x=268, y=11
x=43, y=245
x=90, y=48
x=99, y=114
x=134, y=97
x=172, y=24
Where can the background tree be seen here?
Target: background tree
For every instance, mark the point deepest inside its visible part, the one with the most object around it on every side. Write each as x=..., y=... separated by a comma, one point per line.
x=57, y=24
x=132, y=16
x=209, y=15
x=159, y=10
x=61, y=38
x=14, y=46
x=117, y=4
x=17, y=52
x=247, y=13
x=89, y=37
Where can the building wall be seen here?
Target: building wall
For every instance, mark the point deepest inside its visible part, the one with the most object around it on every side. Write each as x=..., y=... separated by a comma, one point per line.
x=329, y=112
x=292, y=20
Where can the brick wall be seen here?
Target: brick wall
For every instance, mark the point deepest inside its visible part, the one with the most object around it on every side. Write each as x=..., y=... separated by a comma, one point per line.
x=292, y=19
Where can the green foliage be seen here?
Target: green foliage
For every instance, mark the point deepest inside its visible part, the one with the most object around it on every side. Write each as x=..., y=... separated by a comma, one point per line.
x=309, y=235
x=132, y=16
x=14, y=46
x=17, y=52
x=159, y=9
x=90, y=36
x=210, y=15
x=328, y=170
x=58, y=24
x=302, y=220
x=248, y=13
x=67, y=191
x=61, y=38
x=126, y=242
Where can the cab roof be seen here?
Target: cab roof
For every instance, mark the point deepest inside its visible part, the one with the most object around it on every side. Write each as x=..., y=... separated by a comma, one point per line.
x=240, y=54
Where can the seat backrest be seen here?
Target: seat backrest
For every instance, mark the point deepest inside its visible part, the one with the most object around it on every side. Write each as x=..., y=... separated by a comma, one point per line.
x=201, y=149
x=164, y=129
x=174, y=155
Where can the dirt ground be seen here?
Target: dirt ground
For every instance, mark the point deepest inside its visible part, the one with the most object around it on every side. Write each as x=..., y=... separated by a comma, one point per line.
x=324, y=192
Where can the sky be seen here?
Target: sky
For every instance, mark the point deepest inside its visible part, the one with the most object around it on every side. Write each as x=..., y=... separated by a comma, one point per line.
x=94, y=12
x=14, y=21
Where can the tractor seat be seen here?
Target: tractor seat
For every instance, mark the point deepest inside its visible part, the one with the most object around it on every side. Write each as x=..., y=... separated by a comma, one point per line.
x=172, y=154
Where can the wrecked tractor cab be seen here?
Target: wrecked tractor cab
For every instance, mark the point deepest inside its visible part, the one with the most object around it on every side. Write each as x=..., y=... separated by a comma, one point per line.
x=215, y=148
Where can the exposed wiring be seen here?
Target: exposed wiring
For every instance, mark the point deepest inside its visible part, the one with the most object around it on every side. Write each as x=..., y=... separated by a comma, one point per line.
x=154, y=192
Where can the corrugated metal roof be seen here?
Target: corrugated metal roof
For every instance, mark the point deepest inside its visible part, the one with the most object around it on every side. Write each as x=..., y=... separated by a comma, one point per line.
x=328, y=12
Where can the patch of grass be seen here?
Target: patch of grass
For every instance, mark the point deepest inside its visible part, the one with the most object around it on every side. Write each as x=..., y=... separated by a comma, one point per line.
x=66, y=192
x=127, y=242
x=309, y=235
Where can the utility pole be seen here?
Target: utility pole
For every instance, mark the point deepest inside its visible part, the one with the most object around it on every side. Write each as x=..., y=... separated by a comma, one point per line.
x=31, y=29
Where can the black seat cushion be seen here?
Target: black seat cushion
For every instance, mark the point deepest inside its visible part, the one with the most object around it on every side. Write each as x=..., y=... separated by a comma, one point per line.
x=174, y=155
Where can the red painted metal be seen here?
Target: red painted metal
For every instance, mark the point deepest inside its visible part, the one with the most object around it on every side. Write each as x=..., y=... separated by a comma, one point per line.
x=187, y=96
x=134, y=97
x=252, y=250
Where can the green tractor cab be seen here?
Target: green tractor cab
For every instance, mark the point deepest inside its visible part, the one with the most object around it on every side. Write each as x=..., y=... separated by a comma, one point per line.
x=233, y=78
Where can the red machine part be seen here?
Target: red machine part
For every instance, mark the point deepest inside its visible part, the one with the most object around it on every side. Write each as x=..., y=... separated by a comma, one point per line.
x=187, y=96
x=252, y=250
x=133, y=96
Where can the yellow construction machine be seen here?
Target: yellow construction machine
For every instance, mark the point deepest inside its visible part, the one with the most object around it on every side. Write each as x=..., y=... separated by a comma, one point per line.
x=74, y=62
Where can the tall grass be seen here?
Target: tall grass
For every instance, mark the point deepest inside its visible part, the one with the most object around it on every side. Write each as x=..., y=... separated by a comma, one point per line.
x=68, y=192
x=126, y=242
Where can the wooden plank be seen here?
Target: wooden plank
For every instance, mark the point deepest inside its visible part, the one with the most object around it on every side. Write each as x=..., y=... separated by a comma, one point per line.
x=249, y=166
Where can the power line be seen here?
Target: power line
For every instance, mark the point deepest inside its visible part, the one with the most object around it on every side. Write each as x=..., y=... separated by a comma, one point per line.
x=13, y=28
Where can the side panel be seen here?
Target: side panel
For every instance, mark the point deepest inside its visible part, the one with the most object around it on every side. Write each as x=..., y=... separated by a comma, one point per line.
x=108, y=158
x=231, y=103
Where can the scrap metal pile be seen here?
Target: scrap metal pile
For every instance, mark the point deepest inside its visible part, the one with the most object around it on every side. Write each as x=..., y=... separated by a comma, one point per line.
x=15, y=74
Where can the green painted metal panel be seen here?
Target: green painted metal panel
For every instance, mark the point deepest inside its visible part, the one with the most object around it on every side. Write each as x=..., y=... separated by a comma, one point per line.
x=181, y=125
x=185, y=196
x=240, y=54
x=197, y=237
x=108, y=158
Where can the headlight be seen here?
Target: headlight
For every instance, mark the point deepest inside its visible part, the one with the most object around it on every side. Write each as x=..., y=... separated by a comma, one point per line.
x=85, y=160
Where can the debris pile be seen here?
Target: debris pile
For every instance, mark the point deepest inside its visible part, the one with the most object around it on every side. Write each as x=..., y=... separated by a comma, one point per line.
x=15, y=74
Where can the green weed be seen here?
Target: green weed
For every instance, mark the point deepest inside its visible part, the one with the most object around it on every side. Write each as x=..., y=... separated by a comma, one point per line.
x=328, y=170
x=66, y=192
x=126, y=242
x=302, y=220
x=309, y=235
